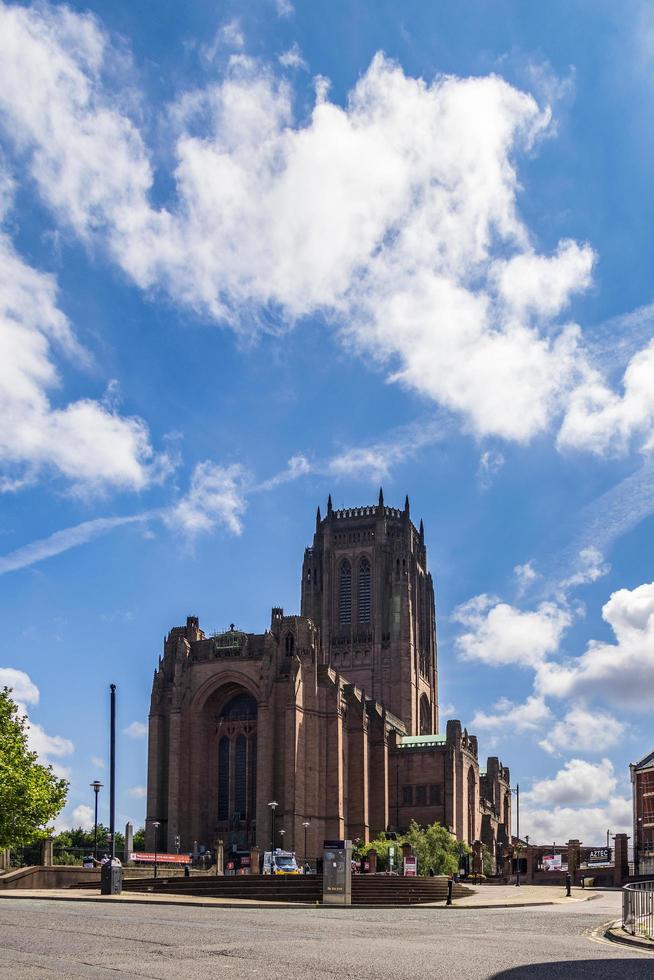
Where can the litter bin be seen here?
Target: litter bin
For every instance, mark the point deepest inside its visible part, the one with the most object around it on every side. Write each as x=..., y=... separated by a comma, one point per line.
x=111, y=879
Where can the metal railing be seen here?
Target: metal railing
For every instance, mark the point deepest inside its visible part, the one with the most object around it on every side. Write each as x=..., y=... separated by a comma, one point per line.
x=638, y=909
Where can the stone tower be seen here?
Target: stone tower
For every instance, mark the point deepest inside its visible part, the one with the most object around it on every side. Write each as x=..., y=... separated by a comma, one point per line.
x=366, y=586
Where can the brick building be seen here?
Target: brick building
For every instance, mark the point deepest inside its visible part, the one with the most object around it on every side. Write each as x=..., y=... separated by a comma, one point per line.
x=333, y=713
x=642, y=784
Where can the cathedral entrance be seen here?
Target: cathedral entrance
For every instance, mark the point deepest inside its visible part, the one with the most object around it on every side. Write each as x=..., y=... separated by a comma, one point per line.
x=235, y=761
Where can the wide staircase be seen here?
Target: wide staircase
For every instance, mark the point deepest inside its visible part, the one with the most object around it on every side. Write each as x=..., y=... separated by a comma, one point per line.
x=302, y=889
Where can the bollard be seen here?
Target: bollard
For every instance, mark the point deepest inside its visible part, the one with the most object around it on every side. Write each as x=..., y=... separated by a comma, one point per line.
x=187, y=871
x=449, y=891
x=568, y=884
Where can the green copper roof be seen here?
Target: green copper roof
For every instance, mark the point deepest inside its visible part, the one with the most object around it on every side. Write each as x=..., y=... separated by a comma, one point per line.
x=420, y=741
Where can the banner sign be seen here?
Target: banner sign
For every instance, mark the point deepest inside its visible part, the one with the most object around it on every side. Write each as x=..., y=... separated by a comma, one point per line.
x=161, y=858
x=551, y=862
x=411, y=866
x=599, y=855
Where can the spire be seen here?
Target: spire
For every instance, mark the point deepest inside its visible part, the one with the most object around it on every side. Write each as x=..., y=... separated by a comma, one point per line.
x=318, y=519
x=422, y=532
x=329, y=504
x=381, y=497
x=406, y=504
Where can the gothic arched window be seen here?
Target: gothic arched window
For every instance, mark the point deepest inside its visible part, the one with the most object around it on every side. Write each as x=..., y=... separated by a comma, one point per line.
x=223, y=779
x=240, y=777
x=289, y=643
x=425, y=715
x=345, y=593
x=364, y=591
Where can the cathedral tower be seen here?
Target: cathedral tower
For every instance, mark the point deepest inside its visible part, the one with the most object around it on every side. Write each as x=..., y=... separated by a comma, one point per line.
x=365, y=584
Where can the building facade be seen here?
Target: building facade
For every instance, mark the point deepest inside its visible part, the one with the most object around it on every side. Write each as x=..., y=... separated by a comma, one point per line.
x=642, y=785
x=332, y=714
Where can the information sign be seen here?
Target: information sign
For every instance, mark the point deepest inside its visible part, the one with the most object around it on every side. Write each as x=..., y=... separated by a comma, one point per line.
x=161, y=858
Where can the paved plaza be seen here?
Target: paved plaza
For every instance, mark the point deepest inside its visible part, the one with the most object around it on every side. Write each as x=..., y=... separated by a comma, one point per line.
x=45, y=939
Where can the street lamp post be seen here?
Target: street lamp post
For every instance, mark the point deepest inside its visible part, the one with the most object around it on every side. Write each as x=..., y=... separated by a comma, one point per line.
x=305, y=825
x=273, y=806
x=96, y=786
x=156, y=824
x=281, y=834
x=517, y=833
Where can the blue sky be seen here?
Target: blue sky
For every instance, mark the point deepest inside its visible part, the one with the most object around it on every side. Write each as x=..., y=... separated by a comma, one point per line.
x=255, y=253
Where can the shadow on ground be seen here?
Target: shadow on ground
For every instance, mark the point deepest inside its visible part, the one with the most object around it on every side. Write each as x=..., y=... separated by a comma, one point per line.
x=625, y=969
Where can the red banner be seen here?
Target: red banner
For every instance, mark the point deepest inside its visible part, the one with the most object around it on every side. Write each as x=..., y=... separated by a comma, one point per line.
x=162, y=858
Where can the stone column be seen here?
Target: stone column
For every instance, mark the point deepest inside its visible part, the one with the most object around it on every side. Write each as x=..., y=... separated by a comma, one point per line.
x=371, y=858
x=574, y=857
x=5, y=859
x=621, y=860
x=254, y=861
x=47, y=856
x=530, y=855
x=129, y=843
x=220, y=857
x=477, y=859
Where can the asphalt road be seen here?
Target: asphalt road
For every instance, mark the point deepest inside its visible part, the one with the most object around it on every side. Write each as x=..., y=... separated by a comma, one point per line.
x=48, y=939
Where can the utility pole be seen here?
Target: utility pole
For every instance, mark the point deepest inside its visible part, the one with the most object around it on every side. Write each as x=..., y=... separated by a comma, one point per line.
x=112, y=775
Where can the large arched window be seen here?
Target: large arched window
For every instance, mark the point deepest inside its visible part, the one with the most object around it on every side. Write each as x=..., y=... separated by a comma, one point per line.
x=425, y=715
x=364, y=591
x=472, y=804
x=223, y=779
x=240, y=777
x=345, y=593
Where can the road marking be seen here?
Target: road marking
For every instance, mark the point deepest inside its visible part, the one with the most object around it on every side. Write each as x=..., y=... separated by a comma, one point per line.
x=598, y=936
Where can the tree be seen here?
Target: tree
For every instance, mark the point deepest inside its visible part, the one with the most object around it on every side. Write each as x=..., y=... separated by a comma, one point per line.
x=30, y=793
x=434, y=846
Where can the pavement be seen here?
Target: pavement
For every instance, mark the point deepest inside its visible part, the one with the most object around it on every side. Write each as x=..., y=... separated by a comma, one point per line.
x=115, y=940
x=496, y=896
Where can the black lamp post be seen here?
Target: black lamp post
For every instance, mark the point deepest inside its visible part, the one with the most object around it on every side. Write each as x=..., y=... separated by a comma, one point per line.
x=156, y=824
x=281, y=834
x=305, y=825
x=96, y=786
x=273, y=806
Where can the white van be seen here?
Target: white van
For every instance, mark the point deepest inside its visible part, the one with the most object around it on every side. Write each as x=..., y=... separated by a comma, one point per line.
x=280, y=863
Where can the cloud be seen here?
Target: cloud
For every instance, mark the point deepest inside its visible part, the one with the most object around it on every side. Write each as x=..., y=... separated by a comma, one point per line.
x=216, y=496
x=578, y=782
x=84, y=441
x=139, y=792
x=284, y=8
x=47, y=747
x=590, y=566
x=498, y=633
x=63, y=540
x=588, y=824
x=584, y=730
x=23, y=688
x=510, y=718
x=136, y=729
x=525, y=574
x=620, y=672
x=97, y=761
x=296, y=467
x=490, y=463
x=292, y=58
x=83, y=817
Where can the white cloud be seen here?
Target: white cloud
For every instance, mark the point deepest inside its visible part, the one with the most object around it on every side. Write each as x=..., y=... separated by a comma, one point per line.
x=139, y=792
x=83, y=817
x=499, y=633
x=284, y=8
x=490, y=463
x=509, y=718
x=292, y=58
x=525, y=574
x=47, y=747
x=136, y=729
x=84, y=441
x=590, y=566
x=584, y=730
x=578, y=782
x=63, y=540
x=394, y=216
x=24, y=690
x=97, y=761
x=217, y=495
x=599, y=420
x=620, y=672
x=296, y=467
x=587, y=824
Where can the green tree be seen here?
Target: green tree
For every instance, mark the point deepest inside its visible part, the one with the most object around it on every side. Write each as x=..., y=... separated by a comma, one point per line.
x=30, y=793
x=434, y=846
x=139, y=839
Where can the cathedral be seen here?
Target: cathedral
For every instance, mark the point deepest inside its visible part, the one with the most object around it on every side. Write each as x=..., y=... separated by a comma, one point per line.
x=331, y=715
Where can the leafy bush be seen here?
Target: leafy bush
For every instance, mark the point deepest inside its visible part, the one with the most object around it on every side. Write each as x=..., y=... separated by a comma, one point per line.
x=434, y=846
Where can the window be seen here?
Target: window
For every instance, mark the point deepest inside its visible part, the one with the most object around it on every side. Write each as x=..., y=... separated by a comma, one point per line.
x=421, y=795
x=240, y=777
x=435, y=798
x=289, y=643
x=407, y=795
x=345, y=594
x=364, y=591
x=223, y=779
